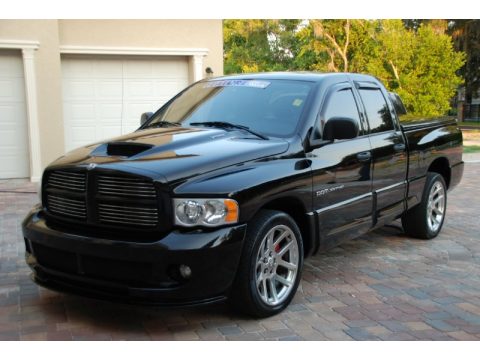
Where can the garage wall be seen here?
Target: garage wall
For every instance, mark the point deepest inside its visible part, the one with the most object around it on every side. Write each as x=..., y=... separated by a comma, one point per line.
x=52, y=34
x=149, y=33
x=48, y=79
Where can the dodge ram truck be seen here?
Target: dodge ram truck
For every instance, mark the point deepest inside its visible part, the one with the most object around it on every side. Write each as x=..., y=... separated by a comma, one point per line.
x=226, y=189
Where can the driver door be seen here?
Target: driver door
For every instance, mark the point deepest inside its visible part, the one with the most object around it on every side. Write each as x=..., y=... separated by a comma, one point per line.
x=342, y=174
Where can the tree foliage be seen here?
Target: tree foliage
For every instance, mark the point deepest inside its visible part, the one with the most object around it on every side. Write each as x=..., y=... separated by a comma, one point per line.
x=415, y=59
x=259, y=45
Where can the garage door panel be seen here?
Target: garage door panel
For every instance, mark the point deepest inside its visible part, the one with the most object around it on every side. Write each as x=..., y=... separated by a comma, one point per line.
x=107, y=89
x=85, y=111
x=109, y=131
x=112, y=111
x=14, y=157
x=107, y=69
x=11, y=167
x=13, y=114
x=10, y=140
x=77, y=69
x=138, y=69
x=164, y=88
x=12, y=89
x=121, y=89
x=78, y=90
x=138, y=89
x=83, y=134
x=11, y=65
x=170, y=69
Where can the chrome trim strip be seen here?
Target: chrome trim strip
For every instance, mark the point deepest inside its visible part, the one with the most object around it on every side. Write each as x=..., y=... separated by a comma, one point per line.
x=128, y=208
x=66, y=206
x=342, y=203
x=66, y=200
x=404, y=182
x=129, y=215
x=117, y=193
x=129, y=220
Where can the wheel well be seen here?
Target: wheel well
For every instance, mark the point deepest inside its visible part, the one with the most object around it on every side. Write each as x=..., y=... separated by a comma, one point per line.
x=297, y=211
x=442, y=167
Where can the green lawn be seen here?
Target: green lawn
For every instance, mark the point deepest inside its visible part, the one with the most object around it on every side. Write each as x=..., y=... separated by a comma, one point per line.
x=468, y=149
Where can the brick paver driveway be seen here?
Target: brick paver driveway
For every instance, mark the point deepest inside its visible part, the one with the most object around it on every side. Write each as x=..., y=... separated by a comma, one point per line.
x=382, y=286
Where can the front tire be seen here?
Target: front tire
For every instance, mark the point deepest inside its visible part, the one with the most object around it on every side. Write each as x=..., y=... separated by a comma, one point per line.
x=425, y=220
x=271, y=265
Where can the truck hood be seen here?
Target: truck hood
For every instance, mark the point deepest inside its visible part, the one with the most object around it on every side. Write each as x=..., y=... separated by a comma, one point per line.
x=174, y=153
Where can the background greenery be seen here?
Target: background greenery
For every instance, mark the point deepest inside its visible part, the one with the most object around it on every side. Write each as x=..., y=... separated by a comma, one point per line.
x=419, y=59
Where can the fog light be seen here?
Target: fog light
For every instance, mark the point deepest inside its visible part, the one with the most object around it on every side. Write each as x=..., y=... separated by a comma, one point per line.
x=185, y=271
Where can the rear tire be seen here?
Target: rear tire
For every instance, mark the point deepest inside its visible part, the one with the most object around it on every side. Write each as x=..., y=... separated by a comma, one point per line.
x=270, y=266
x=425, y=220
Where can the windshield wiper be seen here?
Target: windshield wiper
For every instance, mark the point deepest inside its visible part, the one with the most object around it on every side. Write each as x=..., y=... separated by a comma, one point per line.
x=162, y=124
x=227, y=125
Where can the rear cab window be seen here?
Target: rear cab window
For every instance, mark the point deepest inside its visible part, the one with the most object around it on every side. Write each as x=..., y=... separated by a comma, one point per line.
x=377, y=110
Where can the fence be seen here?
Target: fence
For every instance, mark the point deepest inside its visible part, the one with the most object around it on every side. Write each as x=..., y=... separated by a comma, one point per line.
x=471, y=112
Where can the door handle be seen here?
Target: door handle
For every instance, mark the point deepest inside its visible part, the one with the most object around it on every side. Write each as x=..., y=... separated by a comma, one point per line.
x=399, y=147
x=364, y=156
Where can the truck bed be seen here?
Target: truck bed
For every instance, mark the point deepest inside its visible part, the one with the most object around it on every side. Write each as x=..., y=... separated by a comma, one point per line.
x=432, y=143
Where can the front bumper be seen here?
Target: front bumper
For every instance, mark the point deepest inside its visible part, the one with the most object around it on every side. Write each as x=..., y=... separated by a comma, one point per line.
x=132, y=271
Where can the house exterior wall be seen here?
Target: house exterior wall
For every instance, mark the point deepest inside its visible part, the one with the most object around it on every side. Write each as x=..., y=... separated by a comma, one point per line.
x=54, y=36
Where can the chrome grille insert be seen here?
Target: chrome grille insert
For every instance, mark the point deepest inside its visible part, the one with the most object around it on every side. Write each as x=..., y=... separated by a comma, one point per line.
x=101, y=198
x=124, y=186
x=128, y=215
x=67, y=180
x=68, y=207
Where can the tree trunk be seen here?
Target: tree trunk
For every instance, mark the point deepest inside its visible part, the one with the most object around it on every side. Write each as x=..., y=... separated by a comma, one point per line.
x=395, y=73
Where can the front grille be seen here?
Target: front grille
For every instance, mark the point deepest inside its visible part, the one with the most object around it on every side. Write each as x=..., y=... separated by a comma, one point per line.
x=131, y=215
x=67, y=180
x=108, y=199
x=68, y=207
x=125, y=186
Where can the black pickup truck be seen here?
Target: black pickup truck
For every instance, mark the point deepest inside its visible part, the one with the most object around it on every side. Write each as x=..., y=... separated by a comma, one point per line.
x=226, y=189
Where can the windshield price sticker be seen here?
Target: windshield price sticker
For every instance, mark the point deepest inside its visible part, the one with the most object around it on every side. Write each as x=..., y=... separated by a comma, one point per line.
x=260, y=84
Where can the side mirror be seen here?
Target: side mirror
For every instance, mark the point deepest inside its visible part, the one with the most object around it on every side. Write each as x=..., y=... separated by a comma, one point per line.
x=338, y=128
x=144, y=117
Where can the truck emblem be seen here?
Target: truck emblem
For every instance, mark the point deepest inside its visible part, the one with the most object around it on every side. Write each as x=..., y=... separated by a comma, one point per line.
x=326, y=191
x=91, y=166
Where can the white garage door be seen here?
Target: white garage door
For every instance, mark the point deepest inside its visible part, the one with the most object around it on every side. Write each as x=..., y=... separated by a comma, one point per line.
x=104, y=96
x=14, y=159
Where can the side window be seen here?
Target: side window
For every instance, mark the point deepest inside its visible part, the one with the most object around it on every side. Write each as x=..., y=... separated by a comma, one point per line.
x=340, y=104
x=378, y=113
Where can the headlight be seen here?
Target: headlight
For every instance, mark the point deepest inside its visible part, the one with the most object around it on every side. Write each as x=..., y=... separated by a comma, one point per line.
x=206, y=212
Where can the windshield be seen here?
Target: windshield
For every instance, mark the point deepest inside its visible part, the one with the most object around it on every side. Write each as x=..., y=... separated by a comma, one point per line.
x=270, y=107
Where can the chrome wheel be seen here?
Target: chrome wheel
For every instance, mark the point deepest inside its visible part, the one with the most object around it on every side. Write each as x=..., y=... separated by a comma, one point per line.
x=277, y=265
x=436, y=206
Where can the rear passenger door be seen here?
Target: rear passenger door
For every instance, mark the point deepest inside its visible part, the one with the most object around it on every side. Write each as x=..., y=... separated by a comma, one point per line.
x=389, y=153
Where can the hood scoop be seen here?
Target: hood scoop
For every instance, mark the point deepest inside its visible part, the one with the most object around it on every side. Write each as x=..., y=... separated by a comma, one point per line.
x=126, y=148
